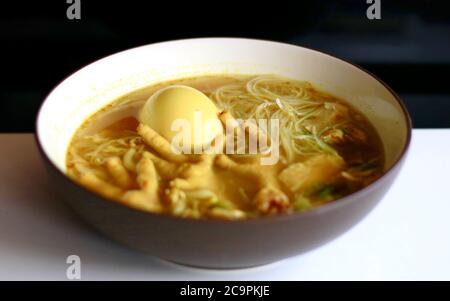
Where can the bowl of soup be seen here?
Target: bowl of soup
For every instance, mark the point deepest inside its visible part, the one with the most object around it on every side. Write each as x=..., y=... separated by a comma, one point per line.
x=222, y=152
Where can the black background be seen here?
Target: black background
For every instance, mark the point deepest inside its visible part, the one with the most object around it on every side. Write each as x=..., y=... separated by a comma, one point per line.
x=409, y=48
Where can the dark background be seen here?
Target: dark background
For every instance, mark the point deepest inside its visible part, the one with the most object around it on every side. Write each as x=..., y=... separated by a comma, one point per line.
x=409, y=48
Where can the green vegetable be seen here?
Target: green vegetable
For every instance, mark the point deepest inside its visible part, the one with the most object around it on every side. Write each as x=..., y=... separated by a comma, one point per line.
x=326, y=193
x=302, y=203
x=224, y=205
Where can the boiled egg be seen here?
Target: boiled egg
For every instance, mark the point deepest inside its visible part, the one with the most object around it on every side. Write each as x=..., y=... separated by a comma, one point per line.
x=181, y=108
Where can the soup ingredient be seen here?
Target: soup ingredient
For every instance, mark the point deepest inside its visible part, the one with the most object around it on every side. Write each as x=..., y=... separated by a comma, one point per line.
x=303, y=113
x=159, y=143
x=328, y=149
x=147, y=179
x=182, y=103
x=118, y=172
x=301, y=176
x=269, y=198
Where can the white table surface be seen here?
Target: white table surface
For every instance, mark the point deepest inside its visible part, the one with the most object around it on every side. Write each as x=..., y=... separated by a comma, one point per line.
x=406, y=237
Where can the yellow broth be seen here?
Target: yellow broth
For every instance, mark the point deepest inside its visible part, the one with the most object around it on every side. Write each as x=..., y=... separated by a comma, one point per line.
x=329, y=150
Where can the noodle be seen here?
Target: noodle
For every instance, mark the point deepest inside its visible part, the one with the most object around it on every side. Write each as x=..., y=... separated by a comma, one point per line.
x=273, y=97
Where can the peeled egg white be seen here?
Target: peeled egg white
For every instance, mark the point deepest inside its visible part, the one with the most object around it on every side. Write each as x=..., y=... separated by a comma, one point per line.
x=179, y=102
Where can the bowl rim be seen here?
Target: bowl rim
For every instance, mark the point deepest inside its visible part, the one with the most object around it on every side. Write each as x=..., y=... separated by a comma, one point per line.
x=340, y=202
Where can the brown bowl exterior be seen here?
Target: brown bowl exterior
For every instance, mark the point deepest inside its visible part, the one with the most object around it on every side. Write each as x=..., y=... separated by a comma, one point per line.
x=221, y=244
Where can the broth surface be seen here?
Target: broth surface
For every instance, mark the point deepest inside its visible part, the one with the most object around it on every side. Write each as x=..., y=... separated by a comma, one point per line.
x=328, y=150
